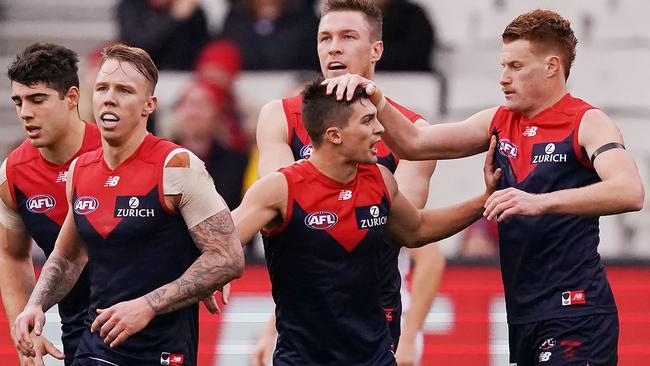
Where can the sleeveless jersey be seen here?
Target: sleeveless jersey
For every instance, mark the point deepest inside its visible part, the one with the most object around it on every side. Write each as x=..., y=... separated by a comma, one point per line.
x=37, y=189
x=325, y=268
x=549, y=264
x=135, y=245
x=301, y=146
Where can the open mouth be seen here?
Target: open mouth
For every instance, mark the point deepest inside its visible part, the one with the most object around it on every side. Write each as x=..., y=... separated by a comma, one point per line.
x=373, y=147
x=335, y=66
x=32, y=131
x=109, y=119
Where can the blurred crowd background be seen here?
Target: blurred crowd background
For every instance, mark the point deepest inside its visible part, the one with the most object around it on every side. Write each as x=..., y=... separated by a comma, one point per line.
x=221, y=60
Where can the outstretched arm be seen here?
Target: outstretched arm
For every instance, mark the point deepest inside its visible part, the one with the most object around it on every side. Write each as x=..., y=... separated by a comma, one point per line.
x=415, y=228
x=620, y=189
x=440, y=141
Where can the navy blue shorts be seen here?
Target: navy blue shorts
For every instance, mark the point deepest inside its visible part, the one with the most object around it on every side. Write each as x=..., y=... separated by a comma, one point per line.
x=578, y=341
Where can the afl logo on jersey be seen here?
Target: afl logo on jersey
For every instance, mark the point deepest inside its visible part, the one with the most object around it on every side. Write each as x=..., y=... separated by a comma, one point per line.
x=40, y=203
x=321, y=220
x=306, y=151
x=85, y=205
x=507, y=148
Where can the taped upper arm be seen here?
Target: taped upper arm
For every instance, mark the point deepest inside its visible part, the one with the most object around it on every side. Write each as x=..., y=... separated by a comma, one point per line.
x=185, y=175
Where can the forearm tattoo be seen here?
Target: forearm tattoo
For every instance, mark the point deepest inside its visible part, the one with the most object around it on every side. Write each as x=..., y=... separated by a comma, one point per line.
x=57, y=279
x=220, y=262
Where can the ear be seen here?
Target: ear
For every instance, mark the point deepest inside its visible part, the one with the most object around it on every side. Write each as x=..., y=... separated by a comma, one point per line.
x=72, y=97
x=377, y=50
x=333, y=135
x=553, y=66
x=150, y=105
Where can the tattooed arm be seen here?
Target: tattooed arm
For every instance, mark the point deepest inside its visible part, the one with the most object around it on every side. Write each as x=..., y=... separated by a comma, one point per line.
x=221, y=262
x=188, y=188
x=59, y=274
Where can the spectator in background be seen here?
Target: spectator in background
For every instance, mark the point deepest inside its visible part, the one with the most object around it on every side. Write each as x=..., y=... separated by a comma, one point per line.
x=171, y=31
x=204, y=126
x=409, y=37
x=219, y=62
x=273, y=34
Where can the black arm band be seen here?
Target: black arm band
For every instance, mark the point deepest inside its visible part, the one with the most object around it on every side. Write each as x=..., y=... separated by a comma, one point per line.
x=602, y=149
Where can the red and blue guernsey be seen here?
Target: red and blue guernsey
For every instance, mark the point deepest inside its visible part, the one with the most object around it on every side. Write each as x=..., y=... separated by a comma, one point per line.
x=37, y=189
x=325, y=268
x=301, y=147
x=135, y=245
x=550, y=265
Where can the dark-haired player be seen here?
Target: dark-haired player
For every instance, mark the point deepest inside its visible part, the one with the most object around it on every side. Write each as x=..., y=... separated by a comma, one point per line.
x=45, y=90
x=145, y=215
x=564, y=165
x=325, y=220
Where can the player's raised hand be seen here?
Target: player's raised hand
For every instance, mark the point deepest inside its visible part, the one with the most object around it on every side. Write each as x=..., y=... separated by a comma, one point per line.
x=490, y=174
x=122, y=320
x=31, y=319
x=345, y=86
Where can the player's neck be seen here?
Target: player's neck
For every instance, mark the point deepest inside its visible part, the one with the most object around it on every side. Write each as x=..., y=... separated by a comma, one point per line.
x=551, y=98
x=68, y=145
x=334, y=167
x=116, y=152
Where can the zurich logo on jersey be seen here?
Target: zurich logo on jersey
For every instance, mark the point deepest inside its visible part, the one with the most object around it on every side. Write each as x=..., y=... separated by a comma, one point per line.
x=85, y=205
x=508, y=148
x=306, y=151
x=321, y=220
x=40, y=203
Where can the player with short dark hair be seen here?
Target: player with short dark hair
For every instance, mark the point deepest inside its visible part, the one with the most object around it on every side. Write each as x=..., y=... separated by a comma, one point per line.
x=349, y=41
x=45, y=90
x=324, y=221
x=145, y=215
x=564, y=165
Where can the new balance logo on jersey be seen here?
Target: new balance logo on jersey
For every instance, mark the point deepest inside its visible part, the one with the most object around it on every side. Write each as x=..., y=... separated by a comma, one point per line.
x=85, y=205
x=507, y=148
x=321, y=220
x=573, y=298
x=530, y=131
x=130, y=206
x=62, y=177
x=40, y=203
x=345, y=195
x=371, y=216
x=112, y=181
x=171, y=359
x=544, y=356
x=550, y=152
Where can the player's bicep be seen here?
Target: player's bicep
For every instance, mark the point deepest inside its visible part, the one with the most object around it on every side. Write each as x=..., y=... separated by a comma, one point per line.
x=191, y=188
x=9, y=216
x=263, y=206
x=603, y=143
x=271, y=136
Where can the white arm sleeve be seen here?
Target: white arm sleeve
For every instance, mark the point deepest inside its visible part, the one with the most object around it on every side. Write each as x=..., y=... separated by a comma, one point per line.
x=9, y=218
x=199, y=197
